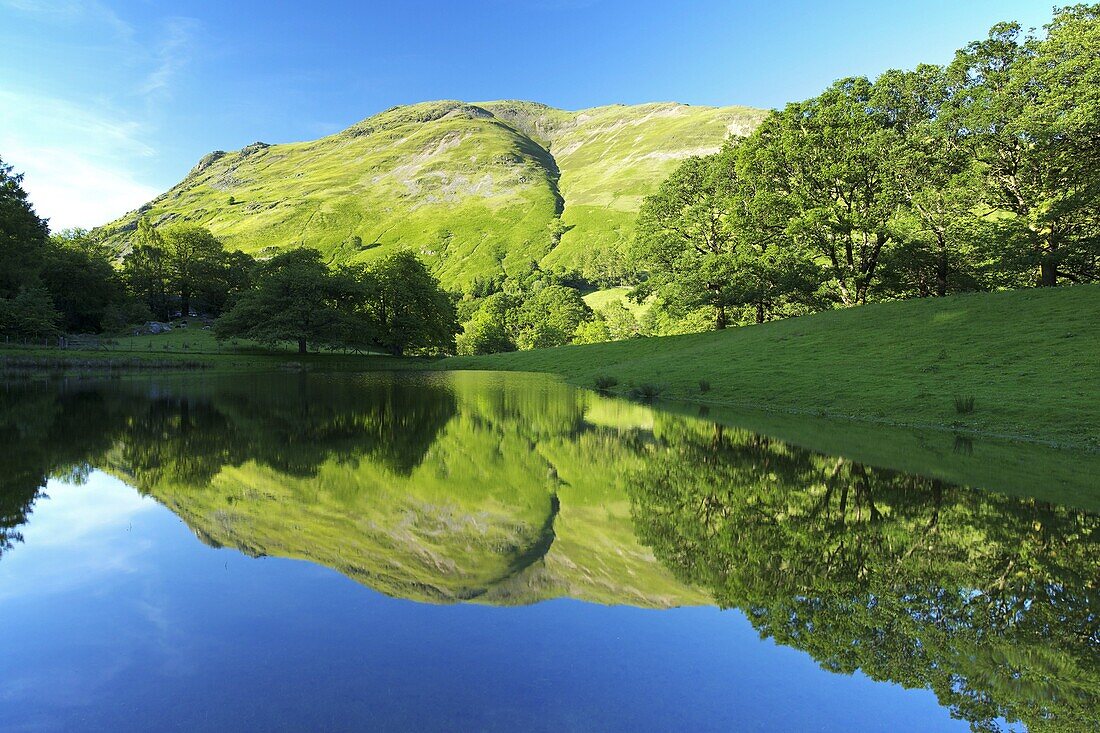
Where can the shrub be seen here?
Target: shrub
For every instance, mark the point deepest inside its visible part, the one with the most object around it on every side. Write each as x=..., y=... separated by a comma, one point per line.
x=604, y=382
x=704, y=386
x=645, y=391
x=964, y=405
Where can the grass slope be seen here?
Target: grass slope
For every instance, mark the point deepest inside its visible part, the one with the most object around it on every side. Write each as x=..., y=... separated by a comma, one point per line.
x=1030, y=359
x=472, y=188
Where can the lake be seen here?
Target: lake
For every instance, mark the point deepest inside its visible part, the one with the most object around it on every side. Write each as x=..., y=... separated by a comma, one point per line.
x=485, y=552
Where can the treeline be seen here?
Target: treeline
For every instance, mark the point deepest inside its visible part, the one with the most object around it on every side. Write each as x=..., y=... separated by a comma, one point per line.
x=50, y=284
x=979, y=175
x=68, y=283
x=393, y=304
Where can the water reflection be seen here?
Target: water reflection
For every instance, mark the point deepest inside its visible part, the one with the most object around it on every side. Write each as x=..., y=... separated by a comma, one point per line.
x=511, y=490
x=988, y=600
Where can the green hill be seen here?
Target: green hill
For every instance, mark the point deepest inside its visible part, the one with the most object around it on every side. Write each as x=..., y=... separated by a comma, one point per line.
x=473, y=188
x=1030, y=359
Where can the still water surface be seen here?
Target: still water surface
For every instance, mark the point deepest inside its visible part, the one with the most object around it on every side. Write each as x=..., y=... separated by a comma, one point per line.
x=489, y=552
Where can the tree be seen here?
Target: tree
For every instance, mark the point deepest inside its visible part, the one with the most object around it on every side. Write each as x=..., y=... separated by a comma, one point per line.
x=84, y=285
x=936, y=227
x=550, y=317
x=613, y=322
x=826, y=166
x=490, y=328
x=712, y=238
x=145, y=270
x=1016, y=104
x=30, y=313
x=408, y=308
x=230, y=276
x=25, y=305
x=23, y=235
x=195, y=260
x=684, y=242
x=297, y=298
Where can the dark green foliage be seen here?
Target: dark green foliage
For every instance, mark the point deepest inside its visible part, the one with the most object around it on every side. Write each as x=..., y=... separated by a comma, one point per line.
x=30, y=313
x=964, y=405
x=704, y=386
x=86, y=288
x=184, y=268
x=195, y=260
x=297, y=298
x=145, y=270
x=408, y=309
x=23, y=235
x=604, y=382
x=645, y=391
x=26, y=308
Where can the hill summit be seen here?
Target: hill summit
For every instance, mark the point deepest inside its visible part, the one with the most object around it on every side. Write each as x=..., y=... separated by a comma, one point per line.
x=474, y=189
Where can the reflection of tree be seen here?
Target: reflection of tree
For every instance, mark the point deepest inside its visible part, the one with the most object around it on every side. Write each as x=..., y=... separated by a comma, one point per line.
x=292, y=424
x=45, y=431
x=185, y=434
x=989, y=601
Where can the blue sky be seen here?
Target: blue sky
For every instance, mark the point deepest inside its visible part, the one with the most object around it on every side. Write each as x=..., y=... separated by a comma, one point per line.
x=106, y=103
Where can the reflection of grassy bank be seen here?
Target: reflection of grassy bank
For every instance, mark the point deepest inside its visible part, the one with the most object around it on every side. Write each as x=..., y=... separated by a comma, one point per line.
x=186, y=349
x=1028, y=358
x=1060, y=476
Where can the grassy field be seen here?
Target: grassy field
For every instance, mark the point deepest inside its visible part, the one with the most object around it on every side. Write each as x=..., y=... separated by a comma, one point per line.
x=600, y=299
x=1029, y=360
x=470, y=188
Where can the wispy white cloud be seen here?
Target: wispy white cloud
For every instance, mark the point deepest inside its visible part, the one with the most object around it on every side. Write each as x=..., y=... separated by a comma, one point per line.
x=173, y=52
x=78, y=161
x=72, y=12
x=87, y=153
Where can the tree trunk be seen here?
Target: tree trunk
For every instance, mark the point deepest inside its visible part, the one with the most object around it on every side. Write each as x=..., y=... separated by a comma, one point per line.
x=720, y=321
x=760, y=312
x=301, y=346
x=1048, y=272
x=185, y=305
x=941, y=271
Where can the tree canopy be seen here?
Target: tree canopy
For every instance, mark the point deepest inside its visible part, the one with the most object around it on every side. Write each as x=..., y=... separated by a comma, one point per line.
x=973, y=176
x=297, y=298
x=407, y=308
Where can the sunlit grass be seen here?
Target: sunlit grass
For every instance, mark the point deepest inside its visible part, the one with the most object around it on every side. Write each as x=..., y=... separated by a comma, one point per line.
x=1028, y=359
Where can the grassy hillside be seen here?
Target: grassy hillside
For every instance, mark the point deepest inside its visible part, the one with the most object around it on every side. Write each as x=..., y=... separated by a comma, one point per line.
x=1029, y=358
x=472, y=188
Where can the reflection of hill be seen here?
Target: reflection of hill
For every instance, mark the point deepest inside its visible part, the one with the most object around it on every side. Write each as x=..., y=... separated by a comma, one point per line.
x=504, y=507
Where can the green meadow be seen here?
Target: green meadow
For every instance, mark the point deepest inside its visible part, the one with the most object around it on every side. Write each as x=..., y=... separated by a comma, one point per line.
x=1029, y=361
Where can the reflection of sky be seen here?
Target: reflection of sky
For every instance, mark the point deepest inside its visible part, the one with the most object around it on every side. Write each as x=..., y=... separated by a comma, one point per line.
x=114, y=617
x=80, y=535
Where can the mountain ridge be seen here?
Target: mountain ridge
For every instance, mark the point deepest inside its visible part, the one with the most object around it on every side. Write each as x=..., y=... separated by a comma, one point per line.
x=476, y=189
